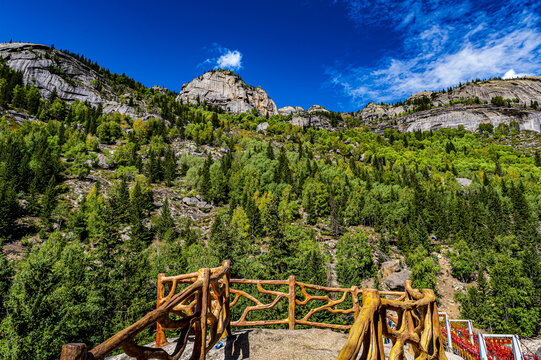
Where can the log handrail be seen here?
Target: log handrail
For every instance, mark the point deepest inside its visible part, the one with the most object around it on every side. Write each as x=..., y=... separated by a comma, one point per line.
x=208, y=319
x=204, y=307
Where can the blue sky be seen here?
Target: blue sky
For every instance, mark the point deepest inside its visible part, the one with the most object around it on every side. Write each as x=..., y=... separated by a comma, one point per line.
x=337, y=53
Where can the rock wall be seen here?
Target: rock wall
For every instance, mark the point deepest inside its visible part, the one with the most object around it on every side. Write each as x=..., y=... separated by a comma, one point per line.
x=525, y=89
x=48, y=69
x=226, y=89
x=470, y=117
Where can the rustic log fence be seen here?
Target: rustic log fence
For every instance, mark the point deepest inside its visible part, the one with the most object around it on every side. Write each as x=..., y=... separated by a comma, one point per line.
x=202, y=304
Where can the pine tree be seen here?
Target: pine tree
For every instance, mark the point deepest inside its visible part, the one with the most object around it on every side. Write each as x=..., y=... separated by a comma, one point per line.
x=119, y=201
x=205, y=183
x=6, y=273
x=270, y=151
x=538, y=158
x=53, y=95
x=165, y=225
x=215, y=120
x=19, y=97
x=254, y=216
x=169, y=167
x=137, y=201
x=336, y=219
x=48, y=202
x=283, y=173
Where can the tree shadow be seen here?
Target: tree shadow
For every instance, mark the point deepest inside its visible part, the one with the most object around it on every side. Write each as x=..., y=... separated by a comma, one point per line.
x=238, y=346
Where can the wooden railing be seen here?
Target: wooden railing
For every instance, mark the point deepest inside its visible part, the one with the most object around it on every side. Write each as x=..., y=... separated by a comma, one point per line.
x=333, y=298
x=203, y=308
x=415, y=322
x=201, y=301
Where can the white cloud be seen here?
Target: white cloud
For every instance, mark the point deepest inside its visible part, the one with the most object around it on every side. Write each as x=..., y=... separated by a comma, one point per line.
x=227, y=59
x=230, y=60
x=511, y=74
x=443, y=44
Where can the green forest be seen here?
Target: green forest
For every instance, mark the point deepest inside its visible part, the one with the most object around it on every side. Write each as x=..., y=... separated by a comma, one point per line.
x=90, y=260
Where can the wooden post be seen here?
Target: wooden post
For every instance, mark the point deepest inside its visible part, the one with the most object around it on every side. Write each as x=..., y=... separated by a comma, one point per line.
x=227, y=291
x=204, y=274
x=355, y=301
x=76, y=351
x=161, y=339
x=291, y=296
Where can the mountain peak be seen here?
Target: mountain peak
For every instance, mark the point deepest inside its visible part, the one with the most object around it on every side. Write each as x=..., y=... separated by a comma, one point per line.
x=228, y=90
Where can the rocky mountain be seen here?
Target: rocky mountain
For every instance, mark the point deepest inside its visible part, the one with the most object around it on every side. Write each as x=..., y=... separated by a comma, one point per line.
x=227, y=90
x=49, y=69
x=288, y=110
x=469, y=116
x=525, y=89
x=468, y=105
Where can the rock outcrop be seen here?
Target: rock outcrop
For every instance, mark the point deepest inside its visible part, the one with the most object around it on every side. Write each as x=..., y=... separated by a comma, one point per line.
x=469, y=116
x=316, y=108
x=48, y=69
x=451, y=110
x=524, y=89
x=227, y=90
x=288, y=110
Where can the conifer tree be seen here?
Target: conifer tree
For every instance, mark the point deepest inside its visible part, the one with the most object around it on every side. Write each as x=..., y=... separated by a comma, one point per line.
x=254, y=216
x=205, y=183
x=215, y=120
x=166, y=225
x=270, y=151
x=9, y=208
x=48, y=202
x=6, y=272
x=19, y=97
x=119, y=201
x=169, y=166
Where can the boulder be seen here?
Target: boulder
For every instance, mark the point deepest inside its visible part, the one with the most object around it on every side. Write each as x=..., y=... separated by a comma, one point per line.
x=300, y=121
x=390, y=267
x=395, y=281
x=262, y=127
x=464, y=182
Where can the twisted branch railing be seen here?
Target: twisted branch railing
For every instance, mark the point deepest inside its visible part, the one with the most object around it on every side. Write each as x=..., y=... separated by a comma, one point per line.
x=203, y=308
x=416, y=323
x=201, y=303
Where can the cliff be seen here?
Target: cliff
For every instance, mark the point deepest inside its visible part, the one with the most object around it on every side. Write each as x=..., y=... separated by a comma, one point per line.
x=227, y=90
x=48, y=69
x=468, y=105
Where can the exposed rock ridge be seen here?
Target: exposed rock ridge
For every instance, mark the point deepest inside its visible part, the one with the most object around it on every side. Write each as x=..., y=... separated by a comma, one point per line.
x=526, y=90
x=47, y=69
x=470, y=117
x=227, y=90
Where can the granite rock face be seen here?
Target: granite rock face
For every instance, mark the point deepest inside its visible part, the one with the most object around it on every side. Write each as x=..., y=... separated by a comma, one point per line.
x=288, y=110
x=470, y=116
x=373, y=111
x=524, y=89
x=48, y=69
x=447, y=115
x=227, y=90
